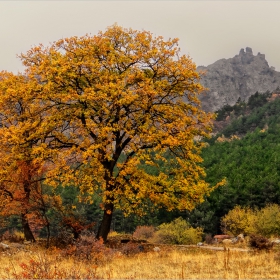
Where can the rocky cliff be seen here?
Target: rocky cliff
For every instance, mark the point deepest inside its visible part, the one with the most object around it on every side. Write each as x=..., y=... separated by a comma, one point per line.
x=237, y=77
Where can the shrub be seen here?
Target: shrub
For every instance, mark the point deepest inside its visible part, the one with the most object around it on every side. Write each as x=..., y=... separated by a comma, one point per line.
x=87, y=247
x=264, y=222
x=268, y=221
x=239, y=220
x=209, y=239
x=63, y=238
x=178, y=232
x=260, y=242
x=13, y=236
x=131, y=249
x=144, y=232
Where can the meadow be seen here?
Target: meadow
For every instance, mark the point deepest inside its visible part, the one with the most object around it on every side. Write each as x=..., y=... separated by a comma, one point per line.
x=171, y=262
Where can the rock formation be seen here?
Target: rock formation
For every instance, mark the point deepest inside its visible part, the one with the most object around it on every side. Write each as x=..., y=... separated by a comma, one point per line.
x=237, y=77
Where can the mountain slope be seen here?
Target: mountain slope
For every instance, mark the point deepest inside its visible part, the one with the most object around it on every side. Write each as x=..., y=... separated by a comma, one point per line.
x=261, y=111
x=245, y=151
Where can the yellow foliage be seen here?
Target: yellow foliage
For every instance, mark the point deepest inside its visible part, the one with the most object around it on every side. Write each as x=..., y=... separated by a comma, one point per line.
x=268, y=221
x=100, y=106
x=239, y=220
x=113, y=234
x=265, y=221
x=178, y=232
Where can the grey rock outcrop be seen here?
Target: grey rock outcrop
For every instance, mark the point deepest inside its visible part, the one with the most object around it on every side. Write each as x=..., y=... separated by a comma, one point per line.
x=227, y=80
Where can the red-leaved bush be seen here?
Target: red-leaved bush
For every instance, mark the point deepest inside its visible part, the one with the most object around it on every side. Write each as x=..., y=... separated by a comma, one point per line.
x=88, y=248
x=144, y=232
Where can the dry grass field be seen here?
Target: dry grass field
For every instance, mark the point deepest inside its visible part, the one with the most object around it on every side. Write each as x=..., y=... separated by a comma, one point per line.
x=168, y=263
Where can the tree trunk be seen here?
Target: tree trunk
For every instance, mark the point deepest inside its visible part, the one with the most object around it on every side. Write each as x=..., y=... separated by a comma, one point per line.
x=28, y=235
x=48, y=235
x=76, y=234
x=105, y=225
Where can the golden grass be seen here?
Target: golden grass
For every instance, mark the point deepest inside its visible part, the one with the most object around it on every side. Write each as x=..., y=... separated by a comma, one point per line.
x=196, y=264
x=169, y=263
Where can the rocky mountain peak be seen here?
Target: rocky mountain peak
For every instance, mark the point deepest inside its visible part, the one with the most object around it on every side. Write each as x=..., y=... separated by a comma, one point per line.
x=227, y=80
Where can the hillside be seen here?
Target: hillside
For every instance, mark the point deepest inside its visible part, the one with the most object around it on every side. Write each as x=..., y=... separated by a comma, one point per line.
x=228, y=80
x=260, y=111
x=246, y=151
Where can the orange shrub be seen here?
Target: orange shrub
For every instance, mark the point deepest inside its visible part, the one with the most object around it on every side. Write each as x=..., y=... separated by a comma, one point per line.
x=144, y=232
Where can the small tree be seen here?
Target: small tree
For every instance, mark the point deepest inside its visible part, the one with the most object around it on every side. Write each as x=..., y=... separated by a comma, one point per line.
x=22, y=164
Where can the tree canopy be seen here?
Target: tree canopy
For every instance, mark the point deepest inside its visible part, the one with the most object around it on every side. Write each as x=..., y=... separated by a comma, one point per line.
x=116, y=114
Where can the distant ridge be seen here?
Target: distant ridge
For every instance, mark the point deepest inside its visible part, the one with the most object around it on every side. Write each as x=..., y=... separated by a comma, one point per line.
x=237, y=77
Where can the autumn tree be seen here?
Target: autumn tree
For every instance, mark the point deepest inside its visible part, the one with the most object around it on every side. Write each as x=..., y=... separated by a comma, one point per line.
x=117, y=103
x=21, y=165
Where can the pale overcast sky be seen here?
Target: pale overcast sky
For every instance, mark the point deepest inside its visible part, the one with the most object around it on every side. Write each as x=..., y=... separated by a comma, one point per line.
x=208, y=30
